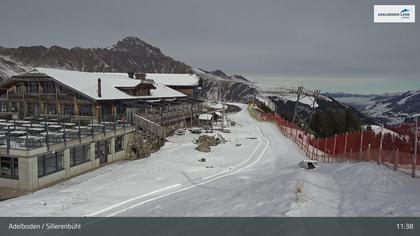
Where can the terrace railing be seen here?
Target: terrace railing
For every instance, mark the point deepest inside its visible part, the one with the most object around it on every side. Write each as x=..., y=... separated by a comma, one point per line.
x=32, y=133
x=144, y=124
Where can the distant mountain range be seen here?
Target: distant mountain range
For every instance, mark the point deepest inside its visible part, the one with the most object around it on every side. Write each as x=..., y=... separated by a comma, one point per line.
x=131, y=54
x=392, y=108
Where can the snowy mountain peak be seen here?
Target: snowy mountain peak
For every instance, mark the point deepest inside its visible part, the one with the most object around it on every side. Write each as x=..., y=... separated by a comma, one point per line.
x=134, y=43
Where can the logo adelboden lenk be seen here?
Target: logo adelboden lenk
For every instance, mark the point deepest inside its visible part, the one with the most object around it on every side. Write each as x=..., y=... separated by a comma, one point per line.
x=405, y=13
x=394, y=13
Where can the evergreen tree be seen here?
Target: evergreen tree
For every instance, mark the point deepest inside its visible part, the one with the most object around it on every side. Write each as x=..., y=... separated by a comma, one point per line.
x=352, y=122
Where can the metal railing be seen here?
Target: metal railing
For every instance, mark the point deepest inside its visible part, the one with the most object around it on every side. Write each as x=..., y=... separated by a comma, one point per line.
x=141, y=123
x=32, y=133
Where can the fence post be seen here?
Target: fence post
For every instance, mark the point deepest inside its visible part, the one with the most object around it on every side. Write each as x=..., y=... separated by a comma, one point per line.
x=325, y=148
x=413, y=174
x=78, y=133
x=335, y=144
x=301, y=142
x=307, y=146
x=27, y=145
x=64, y=134
x=396, y=159
x=104, y=128
x=123, y=123
x=368, y=154
x=47, y=138
x=92, y=131
x=361, y=146
x=115, y=124
x=317, y=149
x=313, y=150
x=290, y=131
x=380, y=145
x=345, y=145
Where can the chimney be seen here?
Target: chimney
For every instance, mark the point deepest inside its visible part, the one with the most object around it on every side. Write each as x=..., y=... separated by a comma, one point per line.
x=140, y=76
x=130, y=75
x=99, y=88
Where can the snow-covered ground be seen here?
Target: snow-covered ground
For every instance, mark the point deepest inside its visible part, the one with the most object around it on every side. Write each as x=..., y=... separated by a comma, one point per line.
x=378, y=129
x=259, y=177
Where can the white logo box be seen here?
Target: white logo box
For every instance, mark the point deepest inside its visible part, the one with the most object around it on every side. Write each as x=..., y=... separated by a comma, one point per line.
x=394, y=13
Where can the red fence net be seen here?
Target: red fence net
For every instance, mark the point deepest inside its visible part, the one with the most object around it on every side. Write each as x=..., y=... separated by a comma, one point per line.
x=397, y=148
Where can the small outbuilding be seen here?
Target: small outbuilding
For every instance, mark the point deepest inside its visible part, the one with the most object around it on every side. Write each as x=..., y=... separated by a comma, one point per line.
x=206, y=119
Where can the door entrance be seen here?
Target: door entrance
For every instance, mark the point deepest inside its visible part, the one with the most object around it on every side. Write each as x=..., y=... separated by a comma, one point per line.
x=101, y=152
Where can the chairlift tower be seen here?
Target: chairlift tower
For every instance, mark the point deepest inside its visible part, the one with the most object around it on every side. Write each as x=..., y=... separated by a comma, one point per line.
x=303, y=114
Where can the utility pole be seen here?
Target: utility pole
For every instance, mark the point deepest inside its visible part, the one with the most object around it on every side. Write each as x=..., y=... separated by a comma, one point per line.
x=223, y=114
x=303, y=114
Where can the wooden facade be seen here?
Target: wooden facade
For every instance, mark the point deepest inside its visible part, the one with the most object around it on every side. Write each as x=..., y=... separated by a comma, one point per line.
x=38, y=95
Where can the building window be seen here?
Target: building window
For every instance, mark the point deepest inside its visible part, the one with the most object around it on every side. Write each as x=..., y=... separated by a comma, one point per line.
x=79, y=155
x=108, y=146
x=33, y=109
x=32, y=87
x=119, y=143
x=19, y=88
x=68, y=109
x=3, y=106
x=50, y=163
x=9, y=167
x=120, y=109
x=85, y=110
x=51, y=108
x=49, y=87
x=103, y=146
x=14, y=107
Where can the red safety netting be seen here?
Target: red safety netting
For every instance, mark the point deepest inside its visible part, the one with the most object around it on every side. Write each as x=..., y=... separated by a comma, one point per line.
x=397, y=147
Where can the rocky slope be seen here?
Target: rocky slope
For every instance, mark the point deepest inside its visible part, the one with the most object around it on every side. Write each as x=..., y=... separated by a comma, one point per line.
x=9, y=67
x=219, y=86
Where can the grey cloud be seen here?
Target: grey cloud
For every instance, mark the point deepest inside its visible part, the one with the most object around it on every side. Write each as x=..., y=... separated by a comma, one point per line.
x=298, y=37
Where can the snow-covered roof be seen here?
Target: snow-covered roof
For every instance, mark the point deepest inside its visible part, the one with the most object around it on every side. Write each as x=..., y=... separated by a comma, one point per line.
x=205, y=116
x=167, y=79
x=174, y=79
x=87, y=83
x=218, y=113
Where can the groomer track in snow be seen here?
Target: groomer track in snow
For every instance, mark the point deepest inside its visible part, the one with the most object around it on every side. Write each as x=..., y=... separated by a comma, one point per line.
x=256, y=173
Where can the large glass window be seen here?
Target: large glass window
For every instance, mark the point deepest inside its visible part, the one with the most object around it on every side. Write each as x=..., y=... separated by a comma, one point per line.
x=50, y=163
x=32, y=87
x=51, y=108
x=33, y=109
x=79, y=155
x=49, y=87
x=3, y=106
x=68, y=109
x=85, y=110
x=19, y=88
x=119, y=143
x=9, y=167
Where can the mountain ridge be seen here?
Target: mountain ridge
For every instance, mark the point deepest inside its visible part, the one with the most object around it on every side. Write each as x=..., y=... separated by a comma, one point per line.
x=130, y=54
x=391, y=108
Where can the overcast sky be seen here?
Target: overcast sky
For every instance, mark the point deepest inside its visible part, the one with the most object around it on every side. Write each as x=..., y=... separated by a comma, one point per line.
x=273, y=37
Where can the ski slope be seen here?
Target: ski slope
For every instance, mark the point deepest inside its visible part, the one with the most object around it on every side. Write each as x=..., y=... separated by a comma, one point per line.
x=259, y=177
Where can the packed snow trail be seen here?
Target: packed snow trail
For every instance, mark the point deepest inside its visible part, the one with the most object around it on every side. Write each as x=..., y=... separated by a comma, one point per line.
x=258, y=177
